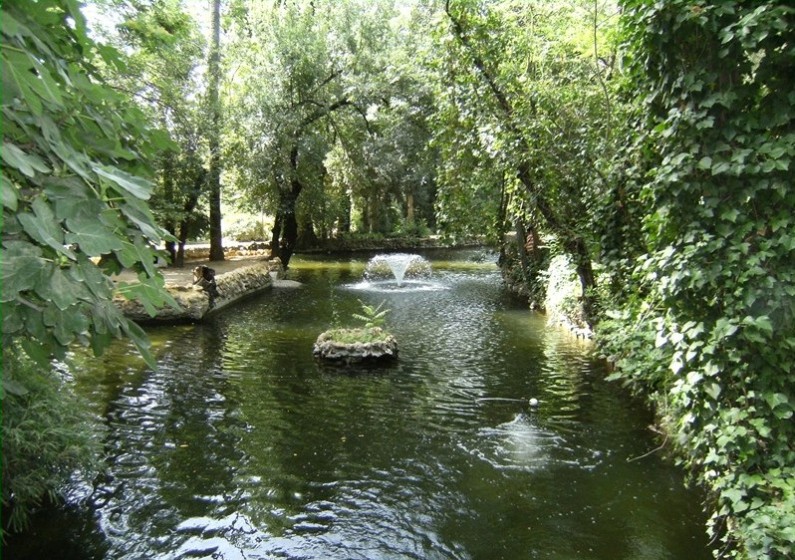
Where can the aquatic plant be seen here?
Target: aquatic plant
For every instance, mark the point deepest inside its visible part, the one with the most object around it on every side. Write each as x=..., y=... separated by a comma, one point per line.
x=372, y=316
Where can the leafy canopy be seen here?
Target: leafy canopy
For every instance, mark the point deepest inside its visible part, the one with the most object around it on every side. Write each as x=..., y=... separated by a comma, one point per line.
x=73, y=187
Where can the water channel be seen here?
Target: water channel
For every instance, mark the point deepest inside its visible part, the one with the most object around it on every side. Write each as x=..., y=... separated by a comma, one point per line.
x=241, y=446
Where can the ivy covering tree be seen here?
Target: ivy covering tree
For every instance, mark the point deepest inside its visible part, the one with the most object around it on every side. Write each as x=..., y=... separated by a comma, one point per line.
x=74, y=210
x=707, y=324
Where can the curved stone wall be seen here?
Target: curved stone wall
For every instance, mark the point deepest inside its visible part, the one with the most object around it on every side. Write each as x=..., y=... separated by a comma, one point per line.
x=195, y=302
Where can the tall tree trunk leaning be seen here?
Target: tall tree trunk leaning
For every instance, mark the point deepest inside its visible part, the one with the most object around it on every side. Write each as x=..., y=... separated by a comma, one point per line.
x=285, y=226
x=573, y=242
x=216, y=243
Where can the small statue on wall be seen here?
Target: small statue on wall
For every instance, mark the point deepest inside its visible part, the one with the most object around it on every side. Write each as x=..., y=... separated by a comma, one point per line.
x=204, y=276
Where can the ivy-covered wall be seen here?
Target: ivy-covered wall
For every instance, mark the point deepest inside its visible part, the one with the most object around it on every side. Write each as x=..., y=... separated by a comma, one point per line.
x=705, y=319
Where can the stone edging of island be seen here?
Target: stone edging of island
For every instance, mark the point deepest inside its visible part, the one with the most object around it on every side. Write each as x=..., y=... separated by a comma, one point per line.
x=383, y=349
x=195, y=303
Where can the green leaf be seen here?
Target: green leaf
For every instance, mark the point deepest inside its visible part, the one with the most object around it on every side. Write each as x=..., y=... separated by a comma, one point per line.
x=139, y=338
x=11, y=27
x=63, y=293
x=12, y=320
x=730, y=215
x=38, y=350
x=45, y=86
x=128, y=254
x=17, y=65
x=76, y=161
x=27, y=164
x=44, y=227
x=713, y=390
x=20, y=264
x=92, y=278
x=776, y=399
x=9, y=192
x=763, y=323
x=93, y=238
x=14, y=387
x=136, y=186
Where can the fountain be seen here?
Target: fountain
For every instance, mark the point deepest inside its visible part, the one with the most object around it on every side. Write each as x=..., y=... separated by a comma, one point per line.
x=396, y=266
x=398, y=272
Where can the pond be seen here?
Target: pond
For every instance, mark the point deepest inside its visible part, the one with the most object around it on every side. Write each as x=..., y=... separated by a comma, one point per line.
x=240, y=446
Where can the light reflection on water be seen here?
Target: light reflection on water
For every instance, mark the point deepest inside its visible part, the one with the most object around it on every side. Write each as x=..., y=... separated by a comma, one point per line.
x=241, y=446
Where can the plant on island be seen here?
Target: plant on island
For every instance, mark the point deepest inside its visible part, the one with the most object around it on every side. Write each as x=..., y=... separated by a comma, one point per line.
x=373, y=317
x=370, y=342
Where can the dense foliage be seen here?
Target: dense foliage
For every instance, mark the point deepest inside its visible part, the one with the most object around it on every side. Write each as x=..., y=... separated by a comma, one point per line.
x=328, y=126
x=72, y=196
x=163, y=50
x=650, y=144
x=707, y=325
x=71, y=187
x=48, y=433
x=524, y=121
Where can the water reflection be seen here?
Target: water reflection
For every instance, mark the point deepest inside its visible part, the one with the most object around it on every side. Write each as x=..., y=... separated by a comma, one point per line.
x=241, y=446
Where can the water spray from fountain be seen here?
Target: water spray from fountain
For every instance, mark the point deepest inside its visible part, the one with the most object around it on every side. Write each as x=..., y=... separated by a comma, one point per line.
x=401, y=272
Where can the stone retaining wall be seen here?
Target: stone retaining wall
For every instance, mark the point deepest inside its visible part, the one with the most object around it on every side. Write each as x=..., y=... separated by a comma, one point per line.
x=195, y=303
x=346, y=244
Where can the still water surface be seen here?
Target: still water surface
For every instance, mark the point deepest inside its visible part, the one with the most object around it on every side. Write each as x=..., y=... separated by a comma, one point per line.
x=240, y=446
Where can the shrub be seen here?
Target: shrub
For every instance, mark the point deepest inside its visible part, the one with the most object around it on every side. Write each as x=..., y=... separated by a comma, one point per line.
x=48, y=434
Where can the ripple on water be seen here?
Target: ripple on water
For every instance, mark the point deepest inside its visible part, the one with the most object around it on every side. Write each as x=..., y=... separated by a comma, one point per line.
x=239, y=446
x=521, y=445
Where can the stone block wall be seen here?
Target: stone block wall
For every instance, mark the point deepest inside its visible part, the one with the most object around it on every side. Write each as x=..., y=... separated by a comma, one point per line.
x=194, y=302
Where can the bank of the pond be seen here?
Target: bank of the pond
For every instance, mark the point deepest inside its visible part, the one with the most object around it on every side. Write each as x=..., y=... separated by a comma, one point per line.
x=197, y=296
x=247, y=271
x=345, y=244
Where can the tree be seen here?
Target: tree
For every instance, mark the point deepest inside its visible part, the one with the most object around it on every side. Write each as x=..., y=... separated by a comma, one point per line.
x=331, y=118
x=163, y=50
x=216, y=243
x=73, y=193
x=533, y=114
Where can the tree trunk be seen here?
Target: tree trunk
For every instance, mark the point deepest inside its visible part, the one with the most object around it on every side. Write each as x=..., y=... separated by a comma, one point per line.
x=184, y=224
x=582, y=259
x=289, y=236
x=179, y=260
x=216, y=243
x=276, y=234
x=307, y=237
x=344, y=222
x=285, y=228
x=521, y=247
x=572, y=240
x=167, y=171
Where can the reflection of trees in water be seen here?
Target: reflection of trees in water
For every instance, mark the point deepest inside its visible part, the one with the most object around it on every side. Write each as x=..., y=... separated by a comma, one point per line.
x=172, y=440
x=632, y=508
x=567, y=373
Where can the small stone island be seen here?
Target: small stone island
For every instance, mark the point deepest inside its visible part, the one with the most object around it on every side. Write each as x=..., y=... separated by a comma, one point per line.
x=353, y=346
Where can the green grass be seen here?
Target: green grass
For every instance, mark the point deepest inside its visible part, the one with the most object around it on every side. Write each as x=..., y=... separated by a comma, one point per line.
x=358, y=335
